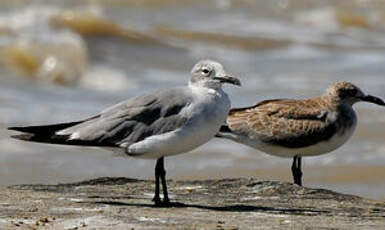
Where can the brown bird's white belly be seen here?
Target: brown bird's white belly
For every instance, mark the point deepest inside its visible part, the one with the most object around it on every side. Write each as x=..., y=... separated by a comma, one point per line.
x=319, y=148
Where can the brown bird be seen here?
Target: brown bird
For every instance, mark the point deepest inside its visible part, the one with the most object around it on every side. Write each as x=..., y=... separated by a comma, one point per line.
x=298, y=128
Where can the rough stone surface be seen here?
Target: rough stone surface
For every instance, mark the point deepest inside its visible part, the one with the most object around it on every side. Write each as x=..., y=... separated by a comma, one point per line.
x=246, y=203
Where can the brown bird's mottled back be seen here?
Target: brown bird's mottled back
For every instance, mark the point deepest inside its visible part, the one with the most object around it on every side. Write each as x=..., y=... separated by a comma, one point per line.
x=281, y=121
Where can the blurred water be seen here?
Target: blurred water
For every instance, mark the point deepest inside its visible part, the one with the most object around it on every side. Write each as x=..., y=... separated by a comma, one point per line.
x=66, y=60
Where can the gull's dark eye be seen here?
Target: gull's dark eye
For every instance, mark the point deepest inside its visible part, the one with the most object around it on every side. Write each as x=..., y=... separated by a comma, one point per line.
x=205, y=71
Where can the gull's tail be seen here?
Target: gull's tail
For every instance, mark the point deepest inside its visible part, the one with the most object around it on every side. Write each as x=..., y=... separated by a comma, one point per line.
x=43, y=133
x=51, y=134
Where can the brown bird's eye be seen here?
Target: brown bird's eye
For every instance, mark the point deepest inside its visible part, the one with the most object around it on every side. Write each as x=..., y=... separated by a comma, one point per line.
x=348, y=93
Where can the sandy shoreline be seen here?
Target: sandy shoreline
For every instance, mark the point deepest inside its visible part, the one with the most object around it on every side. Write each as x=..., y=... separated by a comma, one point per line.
x=124, y=203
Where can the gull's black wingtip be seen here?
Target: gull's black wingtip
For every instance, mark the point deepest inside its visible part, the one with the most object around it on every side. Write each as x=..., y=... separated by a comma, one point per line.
x=15, y=128
x=24, y=129
x=23, y=137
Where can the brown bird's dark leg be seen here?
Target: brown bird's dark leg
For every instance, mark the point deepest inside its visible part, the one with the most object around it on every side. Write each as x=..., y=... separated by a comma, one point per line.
x=296, y=170
x=299, y=171
x=166, y=200
x=156, y=199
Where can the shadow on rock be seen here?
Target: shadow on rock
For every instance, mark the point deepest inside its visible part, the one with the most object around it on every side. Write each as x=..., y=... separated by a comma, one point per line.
x=227, y=208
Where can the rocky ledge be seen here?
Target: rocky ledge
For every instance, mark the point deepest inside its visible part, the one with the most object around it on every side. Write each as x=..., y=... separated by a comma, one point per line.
x=124, y=203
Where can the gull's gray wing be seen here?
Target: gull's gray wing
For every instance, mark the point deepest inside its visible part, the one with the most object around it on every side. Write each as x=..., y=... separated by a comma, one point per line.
x=127, y=122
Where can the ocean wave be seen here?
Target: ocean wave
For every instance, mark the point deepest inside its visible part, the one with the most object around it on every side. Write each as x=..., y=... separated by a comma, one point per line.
x=49, y=44
x=332, y=18
x=93, y=23
x=33, y=49
x=221, y=39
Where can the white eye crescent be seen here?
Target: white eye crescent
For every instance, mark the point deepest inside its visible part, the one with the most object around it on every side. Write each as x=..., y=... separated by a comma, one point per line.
x=205, y=71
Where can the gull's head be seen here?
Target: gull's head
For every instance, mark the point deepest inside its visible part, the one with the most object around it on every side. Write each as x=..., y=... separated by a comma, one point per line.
x=210, y=74
x=346, y=92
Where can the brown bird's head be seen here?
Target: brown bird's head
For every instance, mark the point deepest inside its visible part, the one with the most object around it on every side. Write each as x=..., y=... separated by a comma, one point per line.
x=346, y=92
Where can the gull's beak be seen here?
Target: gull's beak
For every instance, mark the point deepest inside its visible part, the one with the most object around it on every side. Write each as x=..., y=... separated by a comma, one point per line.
x=228, y=79
x=373, y=99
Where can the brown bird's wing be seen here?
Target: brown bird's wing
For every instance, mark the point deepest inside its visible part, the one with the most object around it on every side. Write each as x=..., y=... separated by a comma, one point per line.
x=284, y=122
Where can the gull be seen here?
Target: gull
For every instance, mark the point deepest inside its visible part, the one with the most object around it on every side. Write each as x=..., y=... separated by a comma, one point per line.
x=153, y=125
x=298, y=128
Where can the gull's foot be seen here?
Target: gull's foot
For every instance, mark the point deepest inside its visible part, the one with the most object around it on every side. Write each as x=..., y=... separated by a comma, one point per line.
x=168, y=204
x=157, y=202
x=166, y=201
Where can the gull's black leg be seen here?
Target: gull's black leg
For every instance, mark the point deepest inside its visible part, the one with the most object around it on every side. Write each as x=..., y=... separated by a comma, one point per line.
x=156, y=199
x=299, y=171
x=162, y=171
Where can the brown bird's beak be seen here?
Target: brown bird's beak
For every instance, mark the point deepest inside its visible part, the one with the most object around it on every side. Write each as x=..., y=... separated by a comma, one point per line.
x=373, y=99
x=228, y=79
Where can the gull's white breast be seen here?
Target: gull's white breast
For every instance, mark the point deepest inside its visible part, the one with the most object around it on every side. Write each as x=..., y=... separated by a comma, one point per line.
x=205, y=114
